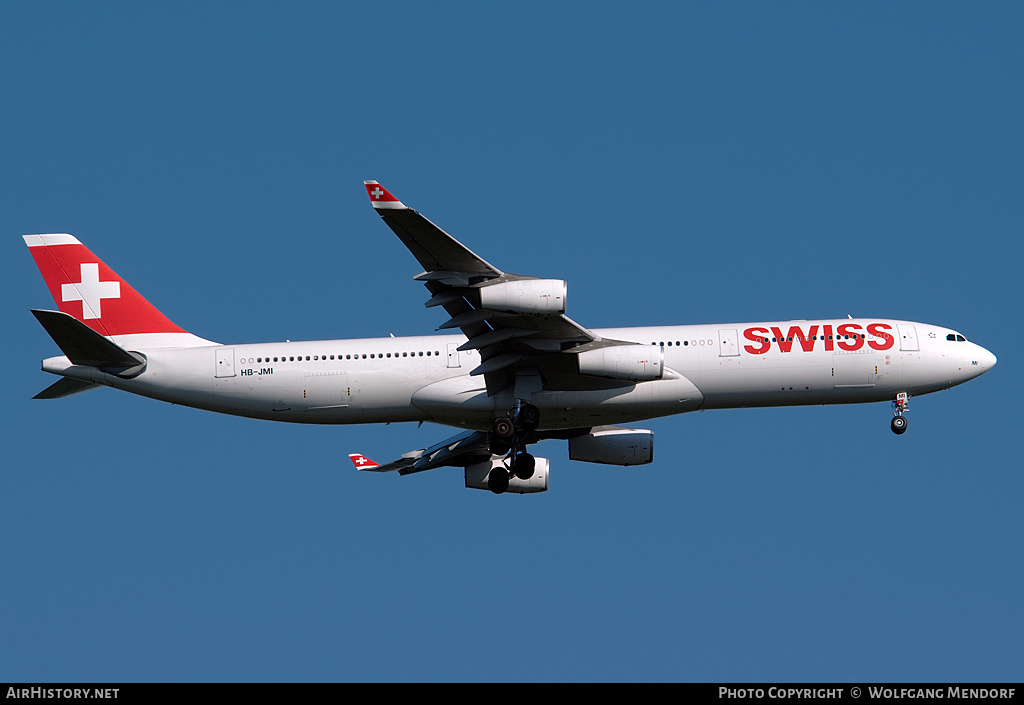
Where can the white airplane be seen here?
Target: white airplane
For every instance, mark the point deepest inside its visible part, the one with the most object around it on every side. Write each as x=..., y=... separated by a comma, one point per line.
x=520, y=371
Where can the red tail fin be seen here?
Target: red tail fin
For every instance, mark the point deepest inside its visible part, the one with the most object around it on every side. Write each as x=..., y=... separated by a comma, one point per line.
x=84, y=287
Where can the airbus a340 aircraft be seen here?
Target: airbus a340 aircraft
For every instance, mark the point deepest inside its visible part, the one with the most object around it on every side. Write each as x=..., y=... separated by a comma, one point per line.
x=520, y=371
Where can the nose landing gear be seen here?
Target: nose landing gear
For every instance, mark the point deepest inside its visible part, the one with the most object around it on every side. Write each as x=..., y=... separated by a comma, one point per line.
x=509, y=436
x=899, y=423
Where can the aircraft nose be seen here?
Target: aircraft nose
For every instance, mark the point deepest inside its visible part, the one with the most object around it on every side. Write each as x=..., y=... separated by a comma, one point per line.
x=981, y=360
x=988, y=360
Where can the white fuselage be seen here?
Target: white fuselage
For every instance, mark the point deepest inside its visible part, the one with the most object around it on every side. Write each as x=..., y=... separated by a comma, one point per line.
x=426, y=378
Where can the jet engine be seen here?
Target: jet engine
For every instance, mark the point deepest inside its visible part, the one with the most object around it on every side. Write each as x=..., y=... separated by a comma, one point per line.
x=633, y=363
x=613, y=445
x=545, y=297
x=478, y=475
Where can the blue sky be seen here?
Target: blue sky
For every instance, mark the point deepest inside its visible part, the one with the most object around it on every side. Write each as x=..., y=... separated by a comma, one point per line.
x=676, y=163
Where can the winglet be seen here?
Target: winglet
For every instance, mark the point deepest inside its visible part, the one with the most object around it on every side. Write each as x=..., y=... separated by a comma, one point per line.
x=381, y=198
x=362, y=462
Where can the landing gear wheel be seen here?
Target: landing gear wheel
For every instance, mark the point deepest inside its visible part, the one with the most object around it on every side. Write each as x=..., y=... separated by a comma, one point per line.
x=529, y=417
x=497, y=481
x=523, y=465
x=899, y=425
x=503, y=428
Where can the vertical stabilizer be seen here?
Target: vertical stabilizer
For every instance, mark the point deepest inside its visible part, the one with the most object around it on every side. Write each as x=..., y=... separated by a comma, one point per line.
x=84, y=287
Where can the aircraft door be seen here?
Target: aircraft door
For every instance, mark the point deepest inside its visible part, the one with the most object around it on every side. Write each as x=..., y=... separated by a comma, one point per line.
x=453, y=355
x=225, y=362
x=908, y=338
x=728, y=343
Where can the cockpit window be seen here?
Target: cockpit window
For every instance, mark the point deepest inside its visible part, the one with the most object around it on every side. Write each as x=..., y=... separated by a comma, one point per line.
x=950, y=337
x=956, y=337
x=961, y=339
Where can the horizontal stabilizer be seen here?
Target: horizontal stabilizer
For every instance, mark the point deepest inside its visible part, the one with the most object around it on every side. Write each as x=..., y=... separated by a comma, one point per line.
x=65, y=387
x=84, y=346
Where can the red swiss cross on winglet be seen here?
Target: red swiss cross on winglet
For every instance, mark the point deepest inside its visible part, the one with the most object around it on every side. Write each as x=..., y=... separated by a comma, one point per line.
x=380, y=197
x=362, y=462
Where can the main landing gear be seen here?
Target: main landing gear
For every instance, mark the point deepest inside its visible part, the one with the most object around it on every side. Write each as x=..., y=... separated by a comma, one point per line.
x=509, y=436
x=899, y=423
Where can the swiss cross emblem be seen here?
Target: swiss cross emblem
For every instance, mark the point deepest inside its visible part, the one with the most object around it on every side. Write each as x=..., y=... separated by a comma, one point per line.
x=90, y=291
x=361, y=460
x=377, y=192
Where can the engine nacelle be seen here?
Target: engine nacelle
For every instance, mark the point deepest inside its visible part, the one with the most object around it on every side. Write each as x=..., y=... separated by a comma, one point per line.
x=545, y=297
x=614, y=446
x=476, y=476
x=633, y=363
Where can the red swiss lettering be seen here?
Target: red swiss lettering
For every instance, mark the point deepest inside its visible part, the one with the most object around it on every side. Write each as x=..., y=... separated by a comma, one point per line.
x=848, y=335
x=786, y=341
x=784, y=345
x=881, y=330
x=806, y=341
x=759, y=336
x=855, y=342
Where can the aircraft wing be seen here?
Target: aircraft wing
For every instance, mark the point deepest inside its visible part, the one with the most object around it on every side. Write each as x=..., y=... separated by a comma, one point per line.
x=465, y=449
x=515, y=321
